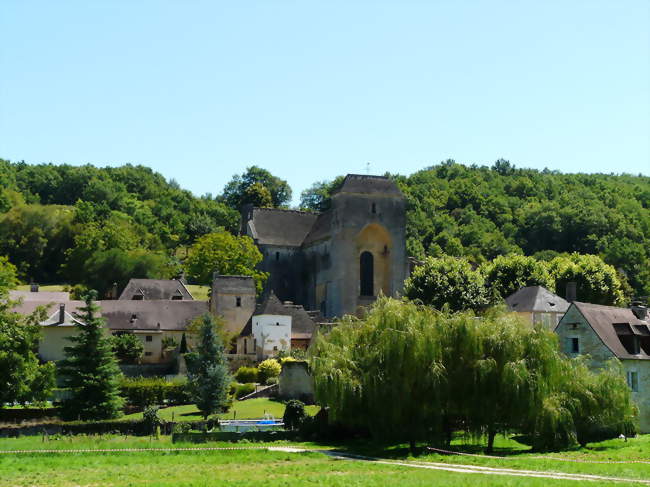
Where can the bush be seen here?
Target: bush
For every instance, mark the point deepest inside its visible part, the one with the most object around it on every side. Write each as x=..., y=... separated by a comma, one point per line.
x=268, y=368
x=294, y=414
x=242, y=390
x=289, y=358
x=128, y=348
x=143, y=392
x=246, y=374
x=151, y=419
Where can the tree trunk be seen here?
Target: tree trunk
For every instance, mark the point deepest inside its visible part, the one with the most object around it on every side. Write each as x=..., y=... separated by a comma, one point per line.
x=490, y=445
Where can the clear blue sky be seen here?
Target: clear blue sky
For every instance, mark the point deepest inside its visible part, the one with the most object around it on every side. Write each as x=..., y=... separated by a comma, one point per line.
x=309, y=90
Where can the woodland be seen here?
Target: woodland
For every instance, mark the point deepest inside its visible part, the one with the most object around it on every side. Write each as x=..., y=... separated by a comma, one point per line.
x=96, y=226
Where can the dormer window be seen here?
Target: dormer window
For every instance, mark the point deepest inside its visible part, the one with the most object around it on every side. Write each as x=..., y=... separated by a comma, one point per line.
x=138, y=297
x=134, y=317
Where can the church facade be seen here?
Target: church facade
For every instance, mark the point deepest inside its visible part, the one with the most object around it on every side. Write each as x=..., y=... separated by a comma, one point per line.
x=338, y=260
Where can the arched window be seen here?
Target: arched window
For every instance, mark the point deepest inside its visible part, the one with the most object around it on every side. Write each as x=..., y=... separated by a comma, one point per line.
x=366, y=274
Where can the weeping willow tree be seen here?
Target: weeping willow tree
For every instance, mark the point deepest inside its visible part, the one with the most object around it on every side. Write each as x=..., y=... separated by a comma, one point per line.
x=406, y=372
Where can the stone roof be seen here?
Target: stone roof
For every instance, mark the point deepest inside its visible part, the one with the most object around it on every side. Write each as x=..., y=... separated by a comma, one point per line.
x=609, y=322
x=536, y=299
x=151, y=315
x=287, y=228
x=321, y=228
x=53, y=296
x=153, y=289
x=366, y=184
x=302, y=325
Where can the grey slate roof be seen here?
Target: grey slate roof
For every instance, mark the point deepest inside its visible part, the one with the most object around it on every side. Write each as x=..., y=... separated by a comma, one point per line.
x=270, y=226
x=605, y=320
x=151, y=315
x=155, y=289
x=536, y=299
x=321, y=228
x=302, y=325
x=28, y=307
x=366, y=184
x=58, y=296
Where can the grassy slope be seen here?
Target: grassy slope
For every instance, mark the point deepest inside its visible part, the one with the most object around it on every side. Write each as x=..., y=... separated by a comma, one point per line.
x=199, y=293
x=52, y=287
x=250, y=409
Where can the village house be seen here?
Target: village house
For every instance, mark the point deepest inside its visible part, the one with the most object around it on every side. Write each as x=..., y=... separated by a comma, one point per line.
x=606, y=332
x=536, y=304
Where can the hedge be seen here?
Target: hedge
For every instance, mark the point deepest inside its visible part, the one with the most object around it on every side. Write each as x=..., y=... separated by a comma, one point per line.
x=143, y=392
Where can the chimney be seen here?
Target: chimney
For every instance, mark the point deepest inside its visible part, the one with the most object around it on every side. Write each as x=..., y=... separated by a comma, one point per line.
x=33, y=287
x=570, y=292
x=639, y=310
x=61, y=314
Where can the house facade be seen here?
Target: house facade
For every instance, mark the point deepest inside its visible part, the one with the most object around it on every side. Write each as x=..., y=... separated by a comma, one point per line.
x=606, y=332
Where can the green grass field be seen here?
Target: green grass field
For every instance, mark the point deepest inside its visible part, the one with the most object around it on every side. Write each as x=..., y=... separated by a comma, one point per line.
x=271, y=468
x=199, y=293
x=250, y=409
x=51, y=287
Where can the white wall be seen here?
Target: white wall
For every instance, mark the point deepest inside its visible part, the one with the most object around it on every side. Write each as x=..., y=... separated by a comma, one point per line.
x=272, y=334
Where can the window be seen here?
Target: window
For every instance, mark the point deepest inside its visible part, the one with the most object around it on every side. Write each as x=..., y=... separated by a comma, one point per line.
x=277, y=256
x=148, y=338
x=366, y=274
x=633, y=380
x=177, y=297
x=238, y=301
x=374, y=208
x=574, y=344
x=147, y=354
x=636, y=345
x=275, y=349
x=138, y=297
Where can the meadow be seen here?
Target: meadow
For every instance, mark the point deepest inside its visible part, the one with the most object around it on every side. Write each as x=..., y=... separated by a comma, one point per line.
x=251, y=464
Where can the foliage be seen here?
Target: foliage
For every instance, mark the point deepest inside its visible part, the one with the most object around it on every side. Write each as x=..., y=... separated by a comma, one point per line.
x=294, y=414
x=226, y=254
x=258, y=187
x=318, y=196
x=597, y=282
x=481, y=212
x=151, y=419
x=169, y=343
x=127, y=347
x=183, y=346
x=246, y=374
x=267, y=369
x=447, y=281
x=7, y=275
x=22, y=378
x=90, y=369
x=142, y=392
x=508, y=273
x=208, y=376
x=241, y=390
x=410, y=373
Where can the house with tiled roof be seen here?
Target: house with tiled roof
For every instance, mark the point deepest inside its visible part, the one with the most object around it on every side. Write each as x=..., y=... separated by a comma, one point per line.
x=275, y=327
x=536, y=304
x=606, y=332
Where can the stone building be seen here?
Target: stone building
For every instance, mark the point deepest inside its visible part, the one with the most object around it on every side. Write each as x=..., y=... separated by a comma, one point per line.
x=155, y=289
x=606, y=332
x=536, y=304
x=338, y=260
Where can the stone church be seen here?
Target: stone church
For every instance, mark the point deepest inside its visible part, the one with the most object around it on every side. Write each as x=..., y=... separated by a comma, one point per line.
x=338, y=260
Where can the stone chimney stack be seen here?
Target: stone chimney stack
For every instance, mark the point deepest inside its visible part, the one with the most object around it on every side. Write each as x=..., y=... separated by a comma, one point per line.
x=33, y=287
x=61, y=313
x=571, y=292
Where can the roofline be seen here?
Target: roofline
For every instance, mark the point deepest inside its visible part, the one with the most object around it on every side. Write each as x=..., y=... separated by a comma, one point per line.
x=185, y=287
x=590, y=326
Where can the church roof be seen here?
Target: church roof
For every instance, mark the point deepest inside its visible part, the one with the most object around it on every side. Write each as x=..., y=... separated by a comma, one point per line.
x=153, y=289
x=271, y=226
x=536, y=298
x=366, y=184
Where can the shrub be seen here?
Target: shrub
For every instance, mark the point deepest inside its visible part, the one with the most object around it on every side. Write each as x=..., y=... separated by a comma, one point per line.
x=246, y=374
x=268, y=368
x=151, y=419
x=289, y=358
x=242, y=390
x=128, y=348
x=294, y=414
x=168, y=343
x=143, y=392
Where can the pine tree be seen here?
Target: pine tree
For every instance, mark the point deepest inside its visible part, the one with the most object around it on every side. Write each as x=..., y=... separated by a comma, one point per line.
x=90, y=370
x=208, y=375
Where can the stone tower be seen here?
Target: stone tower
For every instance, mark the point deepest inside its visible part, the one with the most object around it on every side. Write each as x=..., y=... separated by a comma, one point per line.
x=233, y=298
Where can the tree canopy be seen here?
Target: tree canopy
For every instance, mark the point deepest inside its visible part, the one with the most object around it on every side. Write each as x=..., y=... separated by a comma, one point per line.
x=258, y=187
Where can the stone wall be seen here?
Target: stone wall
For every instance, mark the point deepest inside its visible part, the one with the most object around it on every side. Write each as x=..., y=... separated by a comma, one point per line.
x=296, y=382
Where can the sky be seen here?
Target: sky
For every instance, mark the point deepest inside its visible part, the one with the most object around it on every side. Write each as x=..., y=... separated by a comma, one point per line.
x=311, y=90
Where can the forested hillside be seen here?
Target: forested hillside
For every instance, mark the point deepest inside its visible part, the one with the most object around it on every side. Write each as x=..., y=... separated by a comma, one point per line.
x=82, y=224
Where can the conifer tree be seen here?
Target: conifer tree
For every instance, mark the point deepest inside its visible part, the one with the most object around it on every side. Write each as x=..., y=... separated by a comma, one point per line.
x=208, y=376
x=90, y=369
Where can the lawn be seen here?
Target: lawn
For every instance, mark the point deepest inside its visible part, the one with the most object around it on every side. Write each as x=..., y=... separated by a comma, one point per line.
x=245, y=467
x=51, y=287
x=199, y=293
x=249, y=409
